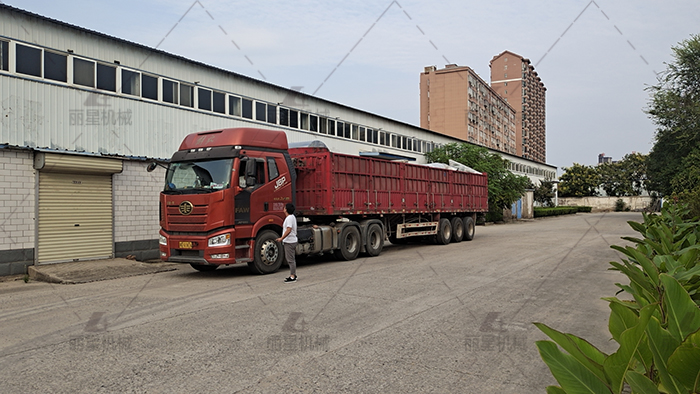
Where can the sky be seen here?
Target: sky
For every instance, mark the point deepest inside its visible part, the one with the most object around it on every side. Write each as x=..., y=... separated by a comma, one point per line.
x=596, y=58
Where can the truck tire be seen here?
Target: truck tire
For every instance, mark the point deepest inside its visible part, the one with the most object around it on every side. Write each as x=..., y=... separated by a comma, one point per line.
x=375, y=240
x=349, y=244
x=469, y=228
x=457, y=229
x=444, y=235
x=268, y=253
x=204, y=267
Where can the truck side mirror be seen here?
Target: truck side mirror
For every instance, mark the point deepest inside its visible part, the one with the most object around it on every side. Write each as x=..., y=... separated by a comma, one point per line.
x=151, y=166
x=250, y=172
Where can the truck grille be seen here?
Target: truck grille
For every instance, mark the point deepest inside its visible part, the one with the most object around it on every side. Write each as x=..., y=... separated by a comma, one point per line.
x=195, y=221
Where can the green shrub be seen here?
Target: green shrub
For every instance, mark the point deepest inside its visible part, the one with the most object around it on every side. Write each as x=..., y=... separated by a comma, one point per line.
x=619, y=205
x=555, y=211
x=658, y=330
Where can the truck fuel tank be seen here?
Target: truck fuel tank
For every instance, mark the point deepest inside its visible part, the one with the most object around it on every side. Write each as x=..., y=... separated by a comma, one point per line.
x=316, y=239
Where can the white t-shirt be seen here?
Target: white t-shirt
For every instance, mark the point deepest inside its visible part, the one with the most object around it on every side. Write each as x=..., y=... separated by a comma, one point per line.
x=290, y=221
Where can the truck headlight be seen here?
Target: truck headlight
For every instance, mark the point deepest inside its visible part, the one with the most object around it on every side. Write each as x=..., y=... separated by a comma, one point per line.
x=220, y=240
x=163, y=240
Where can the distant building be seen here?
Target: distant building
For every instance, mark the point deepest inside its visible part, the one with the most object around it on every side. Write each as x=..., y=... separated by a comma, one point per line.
x=455, y=101
x=602, y=159
x=515, y=79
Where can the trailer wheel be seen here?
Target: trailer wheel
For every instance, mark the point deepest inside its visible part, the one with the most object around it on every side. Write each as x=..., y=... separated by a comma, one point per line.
x=268, y=253
x=204, y=267
x=444, y=235
x=375, y=240
x=348, y=244
x=469, y=228
x=457, y=229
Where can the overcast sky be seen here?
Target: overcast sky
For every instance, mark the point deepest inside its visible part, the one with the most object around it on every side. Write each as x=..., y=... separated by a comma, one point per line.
x=596, y=58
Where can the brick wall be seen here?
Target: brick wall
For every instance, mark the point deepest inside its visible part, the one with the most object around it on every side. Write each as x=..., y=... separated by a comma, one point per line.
x=136, y=224
x=17, y=211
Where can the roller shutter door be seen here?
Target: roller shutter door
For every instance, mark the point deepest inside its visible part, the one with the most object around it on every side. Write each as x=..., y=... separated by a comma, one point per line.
x=75, y=217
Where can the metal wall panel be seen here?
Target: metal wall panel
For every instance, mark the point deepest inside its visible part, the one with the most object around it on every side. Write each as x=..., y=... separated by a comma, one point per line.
x=75, y=217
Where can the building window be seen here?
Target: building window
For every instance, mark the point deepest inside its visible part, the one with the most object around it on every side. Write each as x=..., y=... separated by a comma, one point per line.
x=55, y=66
x=294, y=119
x=313, y=123
x=340, y=127
x=28, y=60
x=284, y=117
x=219, y=102
x=362, y=134
x=150, y=86
x=106, y=77
x=260, y=111
x=272, y=114
x=170, y=91
x=84, y=72
x=347, y=130
x=4, y=55
x=234, y=105
x=331, y=127
x=304, y=121
x=323, y=125
x=382, y=138
x=187, y=95
x=247, y=108
x=130, y=83
x=204, y=99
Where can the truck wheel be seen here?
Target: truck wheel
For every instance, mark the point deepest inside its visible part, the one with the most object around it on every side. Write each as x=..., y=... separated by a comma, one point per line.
x=444, y=235
x=457, y=229
x=204, y=267
x=348, y=244
x=268, y=253
x=469, y=228
x=375, y=240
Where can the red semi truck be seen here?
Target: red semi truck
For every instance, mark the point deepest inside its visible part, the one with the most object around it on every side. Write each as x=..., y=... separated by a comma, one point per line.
x=225, y=191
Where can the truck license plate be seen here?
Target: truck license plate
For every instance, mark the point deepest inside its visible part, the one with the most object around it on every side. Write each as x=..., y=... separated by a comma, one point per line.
x=185, y=245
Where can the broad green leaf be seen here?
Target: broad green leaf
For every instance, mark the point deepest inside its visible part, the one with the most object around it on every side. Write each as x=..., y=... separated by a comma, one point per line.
x=555, y=390
x=621, y=319
x=662, y=345
x=573, y=377
x=640, y=384
x=650, y=269
x=585, y=353
x=646, y=289
x=685, y=276
x=627, y=304
x=638, y=227
x=684, y=363
x=617, y=364
x=682, y=313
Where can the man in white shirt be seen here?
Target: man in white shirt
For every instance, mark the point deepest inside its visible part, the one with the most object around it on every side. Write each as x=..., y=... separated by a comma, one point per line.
x=289, y=241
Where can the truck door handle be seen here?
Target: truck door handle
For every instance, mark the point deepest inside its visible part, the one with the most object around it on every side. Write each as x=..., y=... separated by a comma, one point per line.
x=266, y=205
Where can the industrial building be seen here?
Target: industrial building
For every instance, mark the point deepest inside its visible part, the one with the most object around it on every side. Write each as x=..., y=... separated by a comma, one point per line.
x=84, y=112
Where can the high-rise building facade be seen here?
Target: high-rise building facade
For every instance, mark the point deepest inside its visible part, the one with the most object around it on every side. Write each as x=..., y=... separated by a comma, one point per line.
x=515, y=79
x=455, y=101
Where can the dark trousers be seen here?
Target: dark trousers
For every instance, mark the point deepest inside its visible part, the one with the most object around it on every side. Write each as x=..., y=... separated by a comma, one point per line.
x=290, y=255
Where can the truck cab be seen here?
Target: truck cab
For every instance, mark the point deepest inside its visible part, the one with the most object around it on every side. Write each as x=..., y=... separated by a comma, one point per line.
x=224, y=192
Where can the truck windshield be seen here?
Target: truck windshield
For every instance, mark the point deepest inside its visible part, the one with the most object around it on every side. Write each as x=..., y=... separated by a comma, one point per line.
x=201, y=176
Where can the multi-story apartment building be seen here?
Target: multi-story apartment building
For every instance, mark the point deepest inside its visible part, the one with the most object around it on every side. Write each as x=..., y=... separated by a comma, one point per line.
x=456, y=102
x=515, y=79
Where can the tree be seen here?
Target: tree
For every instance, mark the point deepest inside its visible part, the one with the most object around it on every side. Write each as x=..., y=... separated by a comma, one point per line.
x=544, y=193
x=675, y=109
x=578, y=181
x=626, y=177
x=504, y=187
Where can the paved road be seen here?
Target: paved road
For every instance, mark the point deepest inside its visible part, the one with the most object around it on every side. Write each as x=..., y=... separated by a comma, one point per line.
x=418, y=318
